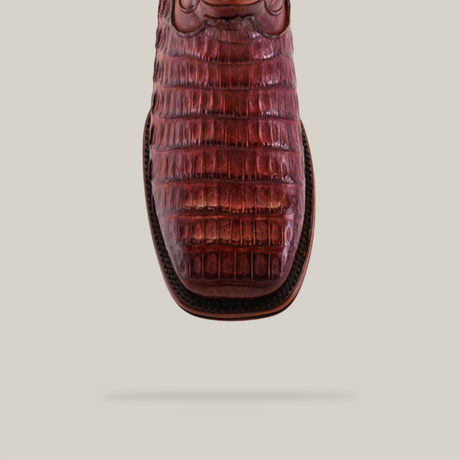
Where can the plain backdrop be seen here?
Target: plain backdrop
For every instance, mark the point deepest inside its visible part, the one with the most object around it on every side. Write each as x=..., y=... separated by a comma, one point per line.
x=97, y=361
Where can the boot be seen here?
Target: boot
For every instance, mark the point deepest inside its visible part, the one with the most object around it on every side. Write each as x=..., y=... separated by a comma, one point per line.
x=227, y=167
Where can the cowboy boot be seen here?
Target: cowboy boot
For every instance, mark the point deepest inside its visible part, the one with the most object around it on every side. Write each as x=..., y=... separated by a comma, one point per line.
x=228, y=174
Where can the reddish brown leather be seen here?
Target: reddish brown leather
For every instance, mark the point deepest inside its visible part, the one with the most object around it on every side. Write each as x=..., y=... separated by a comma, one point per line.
x=226, y=156
x=271, y=15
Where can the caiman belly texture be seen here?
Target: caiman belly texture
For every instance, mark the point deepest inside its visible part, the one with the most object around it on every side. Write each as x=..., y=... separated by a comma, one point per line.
x=226, y=156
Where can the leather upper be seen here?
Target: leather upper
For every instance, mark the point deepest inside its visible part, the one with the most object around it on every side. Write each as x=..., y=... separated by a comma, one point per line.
x=270, y=15
x=226, y=153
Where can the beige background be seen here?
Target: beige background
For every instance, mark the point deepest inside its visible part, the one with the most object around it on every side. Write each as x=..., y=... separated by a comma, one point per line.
x=97, y=362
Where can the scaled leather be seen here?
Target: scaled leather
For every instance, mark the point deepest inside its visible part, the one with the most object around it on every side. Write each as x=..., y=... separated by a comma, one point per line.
x=226, y=153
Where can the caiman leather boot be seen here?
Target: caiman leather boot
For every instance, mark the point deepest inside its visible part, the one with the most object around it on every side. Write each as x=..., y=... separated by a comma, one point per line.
x=228, y=174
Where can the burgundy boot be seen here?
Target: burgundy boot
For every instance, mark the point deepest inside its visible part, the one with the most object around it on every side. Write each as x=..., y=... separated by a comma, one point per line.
x=228, y=174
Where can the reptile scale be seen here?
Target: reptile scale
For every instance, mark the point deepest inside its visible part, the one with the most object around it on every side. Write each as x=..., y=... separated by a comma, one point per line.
x=227, y=168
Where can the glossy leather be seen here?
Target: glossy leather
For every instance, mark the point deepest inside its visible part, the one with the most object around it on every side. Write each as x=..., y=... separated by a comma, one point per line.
x=226, y=154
